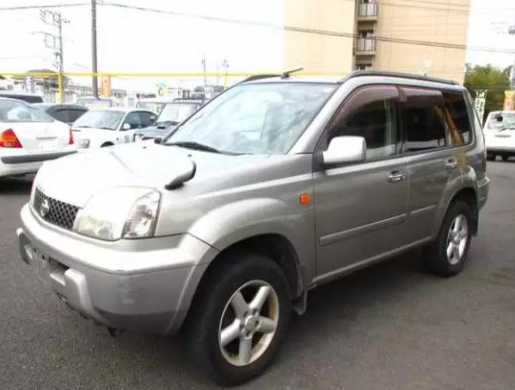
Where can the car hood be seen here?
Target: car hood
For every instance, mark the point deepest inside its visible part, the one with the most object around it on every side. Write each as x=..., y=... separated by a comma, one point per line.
x=74, y=179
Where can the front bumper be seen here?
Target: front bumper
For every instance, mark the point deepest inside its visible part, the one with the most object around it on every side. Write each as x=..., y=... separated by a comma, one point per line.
x=145, y=285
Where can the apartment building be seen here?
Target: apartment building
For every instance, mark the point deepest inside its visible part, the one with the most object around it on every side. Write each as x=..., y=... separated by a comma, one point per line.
x=415, y=36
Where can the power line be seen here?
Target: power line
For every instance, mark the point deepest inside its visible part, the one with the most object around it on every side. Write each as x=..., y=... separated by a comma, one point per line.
x=309, y=30
x=28, y=7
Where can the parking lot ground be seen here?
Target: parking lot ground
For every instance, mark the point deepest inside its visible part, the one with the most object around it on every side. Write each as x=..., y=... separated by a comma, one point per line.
x=391, y=326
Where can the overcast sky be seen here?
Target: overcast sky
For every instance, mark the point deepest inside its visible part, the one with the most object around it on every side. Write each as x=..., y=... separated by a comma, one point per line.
x=136, y=41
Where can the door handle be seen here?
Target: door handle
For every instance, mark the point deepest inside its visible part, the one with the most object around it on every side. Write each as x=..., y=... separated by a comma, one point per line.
x=396, y=176
x=451, y=163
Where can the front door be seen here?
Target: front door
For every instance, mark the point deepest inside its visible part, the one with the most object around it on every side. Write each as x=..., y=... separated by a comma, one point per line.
x=361, y=209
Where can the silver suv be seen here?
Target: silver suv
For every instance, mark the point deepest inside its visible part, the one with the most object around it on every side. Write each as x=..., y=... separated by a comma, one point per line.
x=276, y=186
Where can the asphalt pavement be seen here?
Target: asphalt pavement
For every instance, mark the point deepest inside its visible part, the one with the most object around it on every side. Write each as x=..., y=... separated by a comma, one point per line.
x=391, y=326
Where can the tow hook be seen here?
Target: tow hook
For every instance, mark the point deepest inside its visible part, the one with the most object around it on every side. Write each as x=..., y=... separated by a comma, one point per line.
x=115, y=333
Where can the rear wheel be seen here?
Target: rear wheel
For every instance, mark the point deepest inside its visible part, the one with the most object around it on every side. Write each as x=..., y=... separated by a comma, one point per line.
x=490, y=157
x=448, y=254
x=239, y=317
x=505, y=157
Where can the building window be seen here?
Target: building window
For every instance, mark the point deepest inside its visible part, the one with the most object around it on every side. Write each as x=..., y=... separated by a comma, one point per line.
x=363, y=66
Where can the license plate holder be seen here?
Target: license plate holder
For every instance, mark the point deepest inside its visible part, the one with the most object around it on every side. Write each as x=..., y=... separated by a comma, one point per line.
x=47, y=144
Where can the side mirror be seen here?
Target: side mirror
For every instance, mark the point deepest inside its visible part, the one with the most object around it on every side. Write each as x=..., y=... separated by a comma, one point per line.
x=345, y=149
x=126, y=126
x=157, y=140
x=498, y=118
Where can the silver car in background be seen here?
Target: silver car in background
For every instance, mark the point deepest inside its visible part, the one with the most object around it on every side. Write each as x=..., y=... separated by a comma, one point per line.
x=276, y=186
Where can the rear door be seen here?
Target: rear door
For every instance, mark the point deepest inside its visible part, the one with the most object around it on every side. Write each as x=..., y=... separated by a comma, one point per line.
x=433, y=161
x=36, y=131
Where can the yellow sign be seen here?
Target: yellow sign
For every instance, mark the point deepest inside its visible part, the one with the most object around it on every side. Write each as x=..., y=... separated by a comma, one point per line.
x=509, y=101
x=105, y=86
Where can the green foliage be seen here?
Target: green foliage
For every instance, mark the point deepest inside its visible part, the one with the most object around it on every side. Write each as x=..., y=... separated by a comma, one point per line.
x=496, y=81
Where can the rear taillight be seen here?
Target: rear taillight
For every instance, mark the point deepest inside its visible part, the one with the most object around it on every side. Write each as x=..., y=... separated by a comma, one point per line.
x=70, y=138
x=8, y=139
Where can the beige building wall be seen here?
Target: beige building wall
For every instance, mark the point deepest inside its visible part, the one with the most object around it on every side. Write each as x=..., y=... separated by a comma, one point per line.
x=314, y=52
x=399, y=20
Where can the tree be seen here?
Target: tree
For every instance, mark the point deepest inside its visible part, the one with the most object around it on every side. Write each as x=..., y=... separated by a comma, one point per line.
x=494, y=80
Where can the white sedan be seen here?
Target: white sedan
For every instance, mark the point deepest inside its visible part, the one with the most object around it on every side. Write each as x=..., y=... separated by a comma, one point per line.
x=499, y=133
x=28, y=137
x=111, y=126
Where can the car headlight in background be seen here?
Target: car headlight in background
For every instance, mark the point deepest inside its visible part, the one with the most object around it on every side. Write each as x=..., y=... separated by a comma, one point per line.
x=83, y=143
x=124, y=212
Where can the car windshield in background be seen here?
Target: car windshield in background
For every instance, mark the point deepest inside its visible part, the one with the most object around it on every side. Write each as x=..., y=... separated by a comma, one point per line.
x=14, y=111
x=100, y=119
x=175, y=113
x=95, y=103
x=156, y=107
x=502, y=121
x=263, y=118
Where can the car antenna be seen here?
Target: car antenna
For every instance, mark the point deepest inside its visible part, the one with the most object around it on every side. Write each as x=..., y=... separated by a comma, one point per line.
x=287, y=74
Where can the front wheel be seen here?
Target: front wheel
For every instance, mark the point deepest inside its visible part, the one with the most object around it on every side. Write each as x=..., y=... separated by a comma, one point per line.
x=239, y=317
x=448, y=254
x=505, y=157
x=490, y=157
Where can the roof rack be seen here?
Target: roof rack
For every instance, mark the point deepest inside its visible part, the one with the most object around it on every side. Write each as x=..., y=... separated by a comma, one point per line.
x=410, y=76
x=259, y=77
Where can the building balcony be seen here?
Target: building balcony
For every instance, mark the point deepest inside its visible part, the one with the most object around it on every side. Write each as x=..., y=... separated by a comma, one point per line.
x=365, y=46
x=367, y=12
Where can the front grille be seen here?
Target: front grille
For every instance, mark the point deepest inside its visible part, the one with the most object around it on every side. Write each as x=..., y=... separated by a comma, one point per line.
x=54, y=211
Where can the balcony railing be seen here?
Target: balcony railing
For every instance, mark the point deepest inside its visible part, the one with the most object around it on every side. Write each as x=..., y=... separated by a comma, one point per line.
x=366, y=46
x=367, y=10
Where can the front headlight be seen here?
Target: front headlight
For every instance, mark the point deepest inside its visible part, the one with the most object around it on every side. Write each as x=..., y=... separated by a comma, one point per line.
x=124, y=212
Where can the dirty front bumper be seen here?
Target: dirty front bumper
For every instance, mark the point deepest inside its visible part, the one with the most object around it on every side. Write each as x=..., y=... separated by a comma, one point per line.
x=145, y=285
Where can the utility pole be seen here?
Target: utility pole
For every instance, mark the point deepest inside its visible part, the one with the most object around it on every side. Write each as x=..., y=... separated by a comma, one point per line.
x=94, y=47
x=204, y=70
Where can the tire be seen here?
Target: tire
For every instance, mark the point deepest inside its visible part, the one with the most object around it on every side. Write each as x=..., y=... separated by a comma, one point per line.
x=213, y=309
x=436, y=256
x=505, y=157
x=490, y=157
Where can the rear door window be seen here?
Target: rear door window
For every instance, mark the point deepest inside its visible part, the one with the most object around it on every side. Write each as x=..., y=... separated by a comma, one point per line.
x=423, y=113
x=457, y=118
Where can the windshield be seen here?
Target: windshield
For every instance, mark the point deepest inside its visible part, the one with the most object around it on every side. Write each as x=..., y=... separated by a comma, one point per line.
x=100, y=119
x=255, y=118
x=15, y=111
x=501, y=121
x=175, y=113
x=93, y=103
x=156, y=107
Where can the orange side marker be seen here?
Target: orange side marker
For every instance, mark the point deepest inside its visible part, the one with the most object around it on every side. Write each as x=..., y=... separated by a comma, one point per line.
x=304, y=198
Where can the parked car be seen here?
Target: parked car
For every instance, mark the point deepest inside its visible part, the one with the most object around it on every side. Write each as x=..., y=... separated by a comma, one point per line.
x=172, y=114
x=499, y=133
x=155, y=104
x=67, y=113
x=92, y=102
x=108, y=127
x=19, y=95
x=276, y=186
x=28, y=137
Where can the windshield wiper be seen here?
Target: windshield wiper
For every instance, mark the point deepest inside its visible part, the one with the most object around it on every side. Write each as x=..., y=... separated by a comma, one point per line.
x=194, y=146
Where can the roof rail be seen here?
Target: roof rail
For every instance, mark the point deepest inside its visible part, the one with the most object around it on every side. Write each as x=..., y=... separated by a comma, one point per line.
x=259, y=77
x=410, y=76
